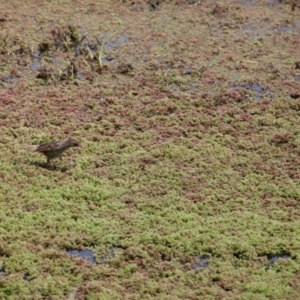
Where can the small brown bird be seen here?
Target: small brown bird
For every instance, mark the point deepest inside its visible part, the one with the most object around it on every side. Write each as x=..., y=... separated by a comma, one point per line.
x=55, y=149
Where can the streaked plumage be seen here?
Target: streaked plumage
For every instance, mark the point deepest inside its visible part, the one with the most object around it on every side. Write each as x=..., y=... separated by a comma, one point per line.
x=55, y=149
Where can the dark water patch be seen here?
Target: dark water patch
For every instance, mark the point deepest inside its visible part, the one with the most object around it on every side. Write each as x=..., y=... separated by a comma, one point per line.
x=121, y=41
x=9, y=79
x=87, y=254
x=187, y=70
x=252, y=31
x=35, y=66
x=201, y=263
x=283, y=28
x=259, y=3
x=174, y=88
x=194, y=87
x=193, y=2
x=297, y=77
x=195, y=263
x=273, y=258
x=106, y=60
x=107, y=43
x=36, y=54
x=250, y=2
x=254, y=87
x=286, y=27
x=254, y=3
x=276, y=257
x=80, y=76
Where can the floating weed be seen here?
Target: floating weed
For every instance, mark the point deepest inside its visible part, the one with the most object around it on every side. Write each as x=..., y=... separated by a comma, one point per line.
x=179, y=162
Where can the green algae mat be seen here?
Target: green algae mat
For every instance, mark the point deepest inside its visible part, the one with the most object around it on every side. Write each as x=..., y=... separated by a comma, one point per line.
x=186, y=184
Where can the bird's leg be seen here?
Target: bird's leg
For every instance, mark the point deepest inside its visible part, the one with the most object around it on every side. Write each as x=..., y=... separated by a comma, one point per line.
x=61, y=157
x=49, y=163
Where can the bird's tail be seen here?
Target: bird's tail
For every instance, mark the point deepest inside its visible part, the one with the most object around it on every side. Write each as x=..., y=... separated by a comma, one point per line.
x=31, y=147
